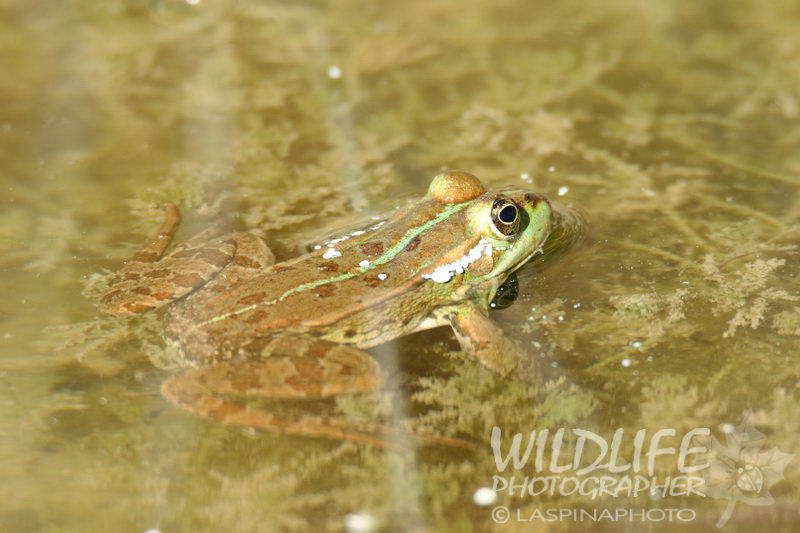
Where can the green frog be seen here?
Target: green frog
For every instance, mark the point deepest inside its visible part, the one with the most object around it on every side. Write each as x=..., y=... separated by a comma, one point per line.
x=249, y=327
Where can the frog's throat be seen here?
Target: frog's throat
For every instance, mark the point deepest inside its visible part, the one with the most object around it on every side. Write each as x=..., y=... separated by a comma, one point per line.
x=387, y=256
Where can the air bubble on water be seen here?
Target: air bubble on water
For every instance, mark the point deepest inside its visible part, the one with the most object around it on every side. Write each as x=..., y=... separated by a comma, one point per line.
x=359, y=522
x=484, y=496
x=334, y=72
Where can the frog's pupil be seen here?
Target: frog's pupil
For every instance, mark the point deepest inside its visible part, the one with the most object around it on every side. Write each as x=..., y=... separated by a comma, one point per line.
x=508, y=214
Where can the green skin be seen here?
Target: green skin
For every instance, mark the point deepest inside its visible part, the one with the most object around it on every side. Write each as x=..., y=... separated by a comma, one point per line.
x=248, y=327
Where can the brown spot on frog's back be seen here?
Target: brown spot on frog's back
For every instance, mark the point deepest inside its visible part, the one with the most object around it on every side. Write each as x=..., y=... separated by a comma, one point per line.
x=144, y=291
x=373, y=280
x=254, y=298
x=243, y=261
x=372, y=248
x=328, y=266
x=281, y=268
x=326, y=290
x=256, y=316
x=412, y=245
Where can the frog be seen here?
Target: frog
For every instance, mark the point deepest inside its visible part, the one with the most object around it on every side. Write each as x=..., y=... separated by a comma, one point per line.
x=248, y=326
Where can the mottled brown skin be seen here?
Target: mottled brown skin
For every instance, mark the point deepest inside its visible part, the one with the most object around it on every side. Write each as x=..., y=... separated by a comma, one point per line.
x=248, y=327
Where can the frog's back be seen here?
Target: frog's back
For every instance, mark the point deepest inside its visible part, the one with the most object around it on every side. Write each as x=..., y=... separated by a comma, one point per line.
x=310, y=291
x=370, y=281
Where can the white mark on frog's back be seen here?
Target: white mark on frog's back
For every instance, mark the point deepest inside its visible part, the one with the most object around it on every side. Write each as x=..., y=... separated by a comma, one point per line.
x=330, y=253
x=444, y=273
x=343, y=238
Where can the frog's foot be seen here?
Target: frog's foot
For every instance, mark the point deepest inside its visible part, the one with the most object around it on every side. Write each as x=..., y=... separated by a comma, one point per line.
x=151, y=279
x=484, y=340
x=326, y=369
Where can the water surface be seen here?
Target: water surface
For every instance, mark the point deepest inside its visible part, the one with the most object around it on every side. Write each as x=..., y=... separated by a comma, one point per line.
x=672, y=126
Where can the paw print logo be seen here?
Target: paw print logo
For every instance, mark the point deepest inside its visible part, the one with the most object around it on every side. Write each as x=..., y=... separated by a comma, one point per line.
x=739, y=471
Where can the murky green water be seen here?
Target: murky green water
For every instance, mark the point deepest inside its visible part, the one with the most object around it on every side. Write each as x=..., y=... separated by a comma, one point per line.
x=673, y=126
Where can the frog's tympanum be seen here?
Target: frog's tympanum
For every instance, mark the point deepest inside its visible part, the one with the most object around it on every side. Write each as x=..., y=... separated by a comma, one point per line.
x=249, y=327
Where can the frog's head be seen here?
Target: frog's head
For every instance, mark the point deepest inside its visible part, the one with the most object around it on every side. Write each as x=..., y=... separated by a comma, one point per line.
x=502, y=230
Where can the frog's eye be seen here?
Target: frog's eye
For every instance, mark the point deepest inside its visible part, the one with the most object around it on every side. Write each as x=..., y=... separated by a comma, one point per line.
x=505, y=217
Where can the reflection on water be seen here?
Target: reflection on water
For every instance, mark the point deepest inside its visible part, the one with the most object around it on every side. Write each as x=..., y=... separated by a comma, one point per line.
x=673, y=126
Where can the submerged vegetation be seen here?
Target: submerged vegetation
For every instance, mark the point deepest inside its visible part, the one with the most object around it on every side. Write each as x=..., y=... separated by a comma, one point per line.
x=673, y=126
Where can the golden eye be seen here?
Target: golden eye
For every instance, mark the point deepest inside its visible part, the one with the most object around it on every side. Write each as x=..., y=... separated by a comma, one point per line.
x=505, y=217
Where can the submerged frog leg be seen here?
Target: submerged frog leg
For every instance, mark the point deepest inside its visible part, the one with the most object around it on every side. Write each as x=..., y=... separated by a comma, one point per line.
x=150, y=279
x=483, y=339
x=321, y=369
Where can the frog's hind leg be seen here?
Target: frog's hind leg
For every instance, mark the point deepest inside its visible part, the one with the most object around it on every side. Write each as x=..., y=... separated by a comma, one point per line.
x=252, y=255
x=325, y=369
x=150, y=279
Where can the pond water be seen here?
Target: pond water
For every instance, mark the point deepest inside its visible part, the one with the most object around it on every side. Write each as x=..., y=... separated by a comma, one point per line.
x=671, y=127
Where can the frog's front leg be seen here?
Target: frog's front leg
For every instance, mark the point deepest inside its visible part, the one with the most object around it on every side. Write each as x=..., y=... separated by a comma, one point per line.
x=150, y=279
x=317, y=368
x=481, y=338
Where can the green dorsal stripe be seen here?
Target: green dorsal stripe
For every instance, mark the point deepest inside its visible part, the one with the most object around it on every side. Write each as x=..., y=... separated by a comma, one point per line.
x=392, y=252
x=387, y=256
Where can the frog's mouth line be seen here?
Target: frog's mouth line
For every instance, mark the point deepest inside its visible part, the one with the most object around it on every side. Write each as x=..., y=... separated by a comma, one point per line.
x=524, y=260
